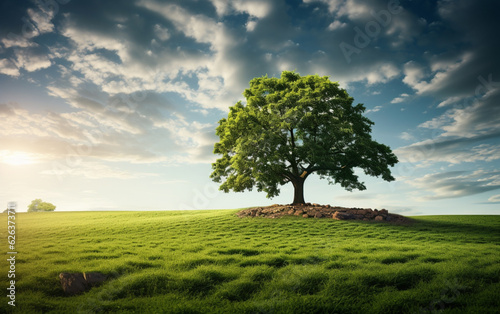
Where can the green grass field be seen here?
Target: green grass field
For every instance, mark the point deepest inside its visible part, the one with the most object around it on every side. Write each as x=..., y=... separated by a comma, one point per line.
x=214, y=262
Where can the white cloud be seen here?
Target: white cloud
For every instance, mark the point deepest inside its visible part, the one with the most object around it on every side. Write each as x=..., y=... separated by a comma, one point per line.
x=197, y=138
x=161, y=32
x=159, y=68
x=407, y=136
x=463, y=134
x=449, y=101
x=87, y=41
x=130, y=73
x=42, y=19
x=106, y=128
x=336, y=25
x=93, y=170
x=39, y=22
x=18, y=41
x=375, y=109
x=382, y=73
x=353, y=9
x=255, y=8
x=251, y=24
x=494, y=199
x=400, y=99
x=480, y=118
x=370, y=73
x=333, y=5
x=8, y=67
x=441, y=73
x=414, y=73
x=200, y=27
x=31, y=60
x=224, y=59
x=221, y=6
x=456, y=184
x=455, y=151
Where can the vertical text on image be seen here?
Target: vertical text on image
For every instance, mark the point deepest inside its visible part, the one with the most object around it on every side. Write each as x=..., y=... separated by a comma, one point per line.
x=11, y=240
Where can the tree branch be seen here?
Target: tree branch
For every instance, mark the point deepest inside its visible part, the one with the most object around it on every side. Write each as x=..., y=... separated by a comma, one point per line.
x=319, y=168
x=293, y=162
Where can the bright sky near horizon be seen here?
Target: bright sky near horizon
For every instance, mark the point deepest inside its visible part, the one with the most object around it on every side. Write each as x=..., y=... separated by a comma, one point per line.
x=112, y=105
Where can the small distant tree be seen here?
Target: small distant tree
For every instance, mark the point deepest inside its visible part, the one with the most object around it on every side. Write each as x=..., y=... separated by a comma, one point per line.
x=37, y=205
x=292, y=127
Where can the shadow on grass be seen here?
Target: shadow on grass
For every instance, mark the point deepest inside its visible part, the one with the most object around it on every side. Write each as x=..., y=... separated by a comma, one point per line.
x=460, y=228
x=477, y=229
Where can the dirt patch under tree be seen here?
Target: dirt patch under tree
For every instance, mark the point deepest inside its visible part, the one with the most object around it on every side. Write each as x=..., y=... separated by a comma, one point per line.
x=309, y=210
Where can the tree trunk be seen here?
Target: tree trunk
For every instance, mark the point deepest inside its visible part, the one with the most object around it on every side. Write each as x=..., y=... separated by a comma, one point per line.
x=298, y=195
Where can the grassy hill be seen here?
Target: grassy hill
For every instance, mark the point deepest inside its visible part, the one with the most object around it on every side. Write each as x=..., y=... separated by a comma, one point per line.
x=212, y=261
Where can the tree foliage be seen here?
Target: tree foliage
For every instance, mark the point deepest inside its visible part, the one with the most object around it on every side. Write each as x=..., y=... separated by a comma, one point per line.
x=37, y=205
x=292, y=127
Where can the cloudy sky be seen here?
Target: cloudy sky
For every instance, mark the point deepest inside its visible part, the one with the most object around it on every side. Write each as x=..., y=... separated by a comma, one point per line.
x=113, y=104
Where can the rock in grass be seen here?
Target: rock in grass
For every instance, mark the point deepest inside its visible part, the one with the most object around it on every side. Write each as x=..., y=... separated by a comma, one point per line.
x=343, y=216
x=77, y=283
x=72, y=284
x=94, y=279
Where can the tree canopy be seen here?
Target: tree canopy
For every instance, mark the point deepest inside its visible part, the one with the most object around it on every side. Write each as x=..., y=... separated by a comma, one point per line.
x=37, y=205
x=292, y=127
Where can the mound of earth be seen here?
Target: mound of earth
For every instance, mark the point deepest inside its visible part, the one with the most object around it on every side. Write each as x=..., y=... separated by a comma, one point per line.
x=309, y=210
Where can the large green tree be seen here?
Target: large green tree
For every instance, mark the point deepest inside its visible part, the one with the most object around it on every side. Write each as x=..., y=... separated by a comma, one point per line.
x=292, y=127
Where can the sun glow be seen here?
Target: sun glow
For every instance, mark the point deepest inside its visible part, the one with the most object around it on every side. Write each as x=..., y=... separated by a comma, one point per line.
x=17, y=158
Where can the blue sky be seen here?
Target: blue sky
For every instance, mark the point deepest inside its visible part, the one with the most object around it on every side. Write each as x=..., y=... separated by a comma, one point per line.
x=113, y=105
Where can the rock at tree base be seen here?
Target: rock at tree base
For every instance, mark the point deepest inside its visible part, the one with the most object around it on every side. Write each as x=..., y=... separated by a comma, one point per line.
x=77, y=283
x=324, y=211
x=343, y=216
